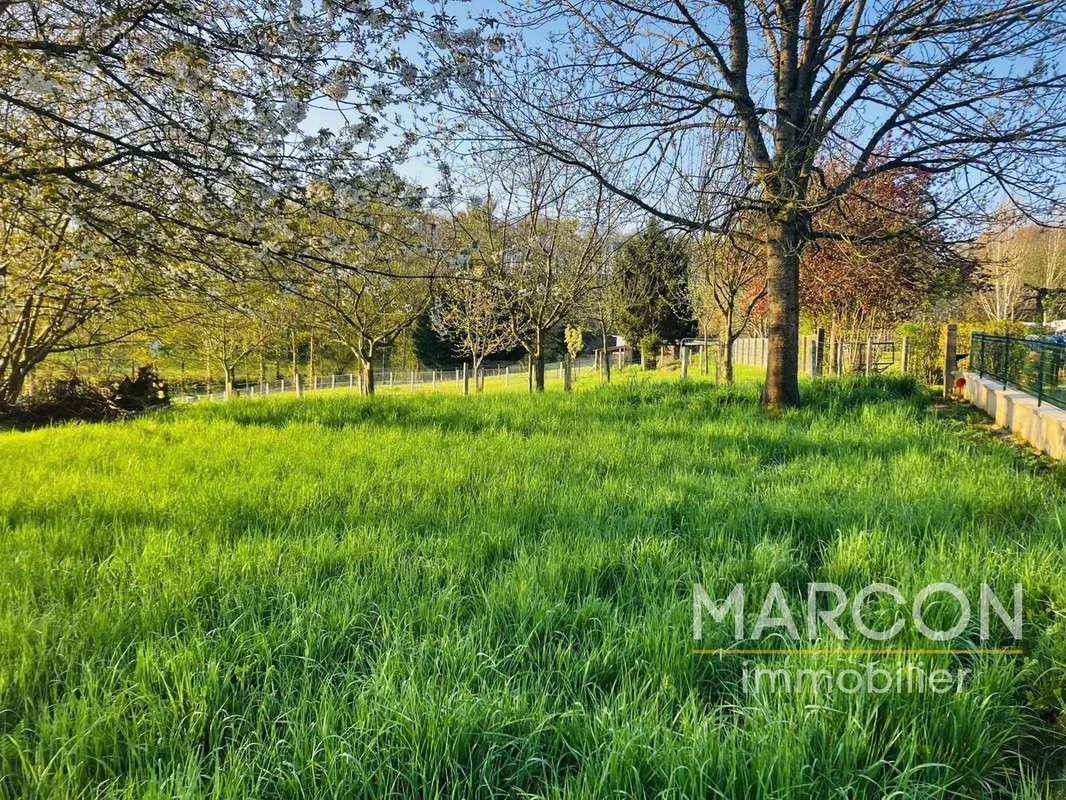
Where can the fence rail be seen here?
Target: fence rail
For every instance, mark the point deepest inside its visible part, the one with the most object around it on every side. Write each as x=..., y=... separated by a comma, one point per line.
x=384, y=379
x=1036, y=366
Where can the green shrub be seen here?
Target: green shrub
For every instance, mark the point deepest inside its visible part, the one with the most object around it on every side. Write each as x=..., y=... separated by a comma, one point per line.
x=574, y=336
x=924, y=350
x=649, y=350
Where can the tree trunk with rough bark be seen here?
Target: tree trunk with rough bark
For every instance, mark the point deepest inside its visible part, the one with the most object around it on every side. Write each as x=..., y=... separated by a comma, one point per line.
x=535, y=351
x=729, y=359
x=366, y=387
x=12, y=385
x=783, y=242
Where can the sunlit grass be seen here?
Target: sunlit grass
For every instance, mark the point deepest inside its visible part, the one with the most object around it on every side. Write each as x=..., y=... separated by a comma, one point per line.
x=429, y=595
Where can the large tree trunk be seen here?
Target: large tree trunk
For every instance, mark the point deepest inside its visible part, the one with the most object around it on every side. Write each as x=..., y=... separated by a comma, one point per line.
x=18, y=358
x=782, y=293
x=11, y=386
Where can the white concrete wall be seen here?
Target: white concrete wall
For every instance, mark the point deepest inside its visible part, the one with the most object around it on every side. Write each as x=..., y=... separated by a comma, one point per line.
x=1042, y=426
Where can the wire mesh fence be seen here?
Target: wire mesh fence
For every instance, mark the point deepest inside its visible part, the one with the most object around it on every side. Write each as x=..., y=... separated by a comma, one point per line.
x=496, y=374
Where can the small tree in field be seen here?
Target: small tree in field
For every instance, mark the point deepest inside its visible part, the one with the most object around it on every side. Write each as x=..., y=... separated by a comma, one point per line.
x=384, y=288
x=230, y=334
x=225, y=321
x=538, y=239
x=650, y=278
x=467, y=312
x=574, y=336
x=602, y=311
x=728, y=282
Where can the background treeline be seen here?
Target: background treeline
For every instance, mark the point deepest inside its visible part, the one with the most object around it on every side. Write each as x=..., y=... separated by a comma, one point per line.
x=216, y=188
x=445, y=288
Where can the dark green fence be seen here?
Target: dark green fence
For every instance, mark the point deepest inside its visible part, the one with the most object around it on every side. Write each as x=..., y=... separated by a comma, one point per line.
x=1035, y=365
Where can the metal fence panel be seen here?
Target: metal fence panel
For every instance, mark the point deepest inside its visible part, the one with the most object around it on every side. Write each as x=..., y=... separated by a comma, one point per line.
x=1034, y=365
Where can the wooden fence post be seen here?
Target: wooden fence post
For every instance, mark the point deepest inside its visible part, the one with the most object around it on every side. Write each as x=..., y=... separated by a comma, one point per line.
x=869, y=357
x=819, y=352
x=949, y=358
x=466, y=380
x=567, y=378
x=905, y=358
x=684, y=362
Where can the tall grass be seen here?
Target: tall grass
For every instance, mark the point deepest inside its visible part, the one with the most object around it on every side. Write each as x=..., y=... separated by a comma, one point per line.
x=423, y=596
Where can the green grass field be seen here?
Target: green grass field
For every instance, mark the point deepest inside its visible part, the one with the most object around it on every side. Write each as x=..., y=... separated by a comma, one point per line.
x=429, y=595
